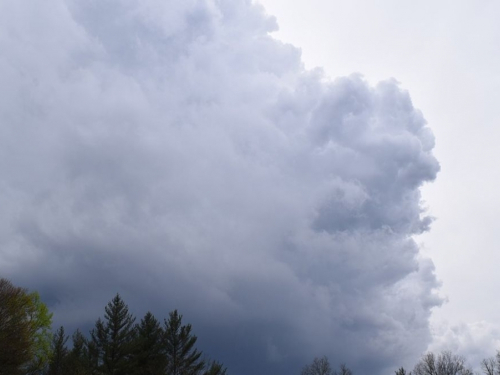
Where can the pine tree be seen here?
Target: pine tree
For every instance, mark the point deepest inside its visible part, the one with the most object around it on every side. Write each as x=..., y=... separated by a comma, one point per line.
x=215, y=368
x=182, y=357
x=112, y=339
x=149, y=356
x=78, y=359
x=59, y=356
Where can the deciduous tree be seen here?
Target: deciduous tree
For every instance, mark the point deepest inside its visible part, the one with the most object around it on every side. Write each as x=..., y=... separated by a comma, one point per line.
x=343, y=370
x=401, y=371
x=491, y=366
x=24, y=330
x=319, y=366
x=445, y=363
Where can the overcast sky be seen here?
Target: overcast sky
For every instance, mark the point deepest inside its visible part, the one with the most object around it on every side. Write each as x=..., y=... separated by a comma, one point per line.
x=189, y=155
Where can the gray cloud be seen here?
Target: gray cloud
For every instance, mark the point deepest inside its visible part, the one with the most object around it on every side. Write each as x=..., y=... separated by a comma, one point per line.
x=176, y=153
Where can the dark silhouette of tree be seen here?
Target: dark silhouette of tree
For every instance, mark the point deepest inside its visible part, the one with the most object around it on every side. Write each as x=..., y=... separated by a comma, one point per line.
x=78, y=359
x=116, y=346
x=111, y=344
x=491, y=366
x=319, y=366
x=149, y=356
x=344, y=370
x=401, y=371
x=445, y=363
x=59, y=356
x=182, y=357
x=215, y=368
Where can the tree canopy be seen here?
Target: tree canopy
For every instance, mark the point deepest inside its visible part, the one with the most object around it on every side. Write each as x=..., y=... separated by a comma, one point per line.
x=25, y=336
x=117, y=345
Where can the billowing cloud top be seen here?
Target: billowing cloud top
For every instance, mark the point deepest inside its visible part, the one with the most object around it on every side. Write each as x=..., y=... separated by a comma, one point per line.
x=174, y=152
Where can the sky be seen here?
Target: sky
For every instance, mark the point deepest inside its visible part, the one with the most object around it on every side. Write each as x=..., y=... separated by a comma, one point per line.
x=297, y=181
x=444, y=53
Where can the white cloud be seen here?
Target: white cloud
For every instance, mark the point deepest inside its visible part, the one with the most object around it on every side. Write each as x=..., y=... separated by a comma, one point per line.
x=176, y=153
x=475, y=341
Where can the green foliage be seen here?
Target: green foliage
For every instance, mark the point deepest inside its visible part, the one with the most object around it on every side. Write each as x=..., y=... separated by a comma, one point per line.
x=40, y=320
x=24, y=331
x=116, y=346
x=15, y=341
x=182, y=357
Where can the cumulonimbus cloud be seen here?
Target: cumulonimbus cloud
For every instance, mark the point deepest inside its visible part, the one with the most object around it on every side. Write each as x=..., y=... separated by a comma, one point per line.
x=178, y=154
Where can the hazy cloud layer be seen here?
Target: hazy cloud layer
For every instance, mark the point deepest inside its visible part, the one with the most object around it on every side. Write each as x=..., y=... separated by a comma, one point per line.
x=475, y=341
x=174, y=152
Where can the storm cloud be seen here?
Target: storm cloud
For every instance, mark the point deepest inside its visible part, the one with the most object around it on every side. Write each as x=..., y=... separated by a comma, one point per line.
x=174, y=152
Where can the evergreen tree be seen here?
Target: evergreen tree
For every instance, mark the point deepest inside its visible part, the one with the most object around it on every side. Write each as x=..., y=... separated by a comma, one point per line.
x=95, y=348
x=215, y=368
x=149, y=356
x=112, y=339
x=182, y=357
x=78, y=361
x=59, y=356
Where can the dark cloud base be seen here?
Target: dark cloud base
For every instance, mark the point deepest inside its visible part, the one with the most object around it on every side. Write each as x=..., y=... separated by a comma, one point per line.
x=176, y=153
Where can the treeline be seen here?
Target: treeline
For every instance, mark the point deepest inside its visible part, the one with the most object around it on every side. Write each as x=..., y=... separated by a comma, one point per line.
x=321, y=366
x=117, y=345
x=444, y=363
